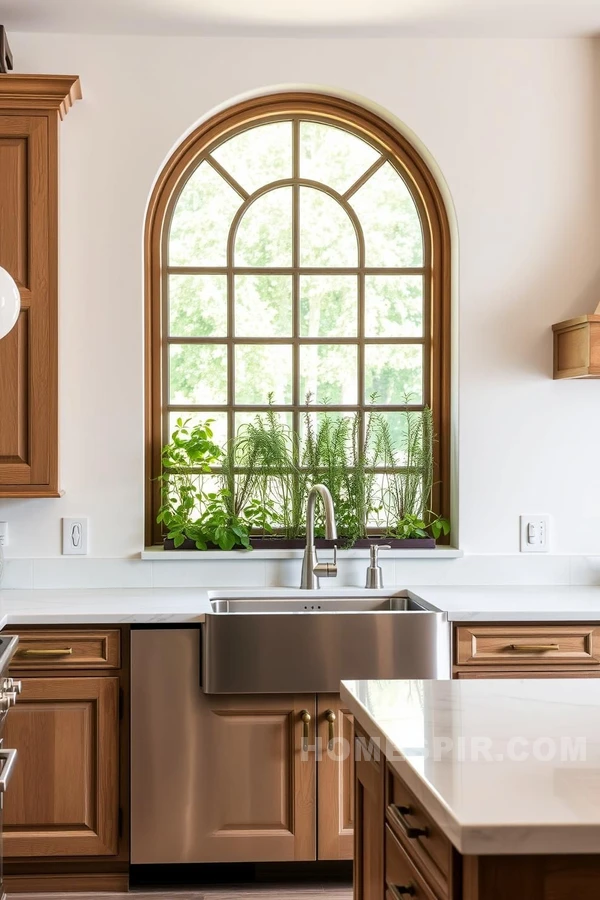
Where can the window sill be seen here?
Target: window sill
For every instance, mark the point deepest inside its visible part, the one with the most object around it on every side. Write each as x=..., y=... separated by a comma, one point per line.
x=158, y=554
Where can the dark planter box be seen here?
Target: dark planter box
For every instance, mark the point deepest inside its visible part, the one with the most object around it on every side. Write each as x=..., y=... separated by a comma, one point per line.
x=280, y=543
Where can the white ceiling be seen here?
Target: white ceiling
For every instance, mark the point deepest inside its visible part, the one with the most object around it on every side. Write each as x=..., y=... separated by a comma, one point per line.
x=515, y=18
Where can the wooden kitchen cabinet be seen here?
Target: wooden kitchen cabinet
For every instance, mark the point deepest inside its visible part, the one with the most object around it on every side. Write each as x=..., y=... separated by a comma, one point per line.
x=369, y=820
x=305, y=807
x=64, y=795
x=67, y=808
x=30, y=109
x=335, y=779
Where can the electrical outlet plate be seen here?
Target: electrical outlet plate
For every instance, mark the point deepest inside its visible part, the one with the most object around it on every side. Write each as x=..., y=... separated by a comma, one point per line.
x=535, y=534
x=75, y=536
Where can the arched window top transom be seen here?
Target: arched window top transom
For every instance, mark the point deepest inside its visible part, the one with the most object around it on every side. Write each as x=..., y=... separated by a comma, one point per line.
x=244, y=200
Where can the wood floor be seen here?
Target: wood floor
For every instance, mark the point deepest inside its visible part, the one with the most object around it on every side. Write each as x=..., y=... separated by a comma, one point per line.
x=252, y=892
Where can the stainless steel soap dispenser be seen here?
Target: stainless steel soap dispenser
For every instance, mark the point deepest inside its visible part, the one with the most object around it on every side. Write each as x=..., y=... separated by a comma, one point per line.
x=374, y=574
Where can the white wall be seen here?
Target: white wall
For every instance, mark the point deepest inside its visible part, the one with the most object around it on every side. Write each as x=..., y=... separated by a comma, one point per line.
x=514, y=127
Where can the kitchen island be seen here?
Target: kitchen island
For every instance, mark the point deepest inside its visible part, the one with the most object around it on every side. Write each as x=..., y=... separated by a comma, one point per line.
x=476, y=790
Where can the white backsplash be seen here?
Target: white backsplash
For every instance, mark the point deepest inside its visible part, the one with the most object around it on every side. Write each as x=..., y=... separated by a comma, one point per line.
x=248, y=572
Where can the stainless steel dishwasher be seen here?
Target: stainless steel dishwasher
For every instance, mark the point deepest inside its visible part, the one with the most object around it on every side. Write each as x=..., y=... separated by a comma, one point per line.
x=222, y=713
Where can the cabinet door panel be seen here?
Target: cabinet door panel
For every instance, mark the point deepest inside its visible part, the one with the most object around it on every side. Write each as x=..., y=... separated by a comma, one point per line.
x=335, y=775
x=64, y=794
x=369, y=822
x=14, y=208
x=28, y=356
x=15, y=459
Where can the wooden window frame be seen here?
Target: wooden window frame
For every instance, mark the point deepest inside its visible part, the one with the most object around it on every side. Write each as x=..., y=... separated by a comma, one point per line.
x=436, y=271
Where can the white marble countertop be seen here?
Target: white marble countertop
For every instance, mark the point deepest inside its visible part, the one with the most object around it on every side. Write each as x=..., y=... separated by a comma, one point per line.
x=503, y=767
x=514, y=603
x=117, y=606
x=172, y=605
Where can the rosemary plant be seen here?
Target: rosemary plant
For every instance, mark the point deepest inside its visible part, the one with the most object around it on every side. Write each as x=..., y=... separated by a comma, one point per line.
x=265, y=466
x=336, y=454
x=407, y=479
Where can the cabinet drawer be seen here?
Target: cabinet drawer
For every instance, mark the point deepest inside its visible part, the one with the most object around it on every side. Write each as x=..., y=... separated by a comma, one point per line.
x=473, y=674
x=67, y=650
x=421, y=838
x=489, y=645
x=402, y=878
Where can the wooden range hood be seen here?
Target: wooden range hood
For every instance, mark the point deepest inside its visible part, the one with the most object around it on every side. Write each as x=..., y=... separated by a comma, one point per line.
x=577, y=347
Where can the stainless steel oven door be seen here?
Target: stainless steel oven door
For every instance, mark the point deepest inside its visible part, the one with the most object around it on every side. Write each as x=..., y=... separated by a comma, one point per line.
x=7, y=758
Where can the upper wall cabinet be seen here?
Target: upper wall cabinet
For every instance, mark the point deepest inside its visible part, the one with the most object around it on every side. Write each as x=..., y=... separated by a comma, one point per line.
x=577, y=347
x=30, y=109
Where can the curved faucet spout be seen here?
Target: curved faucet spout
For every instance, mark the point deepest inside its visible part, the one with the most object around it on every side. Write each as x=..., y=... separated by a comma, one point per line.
x=311, y=568
x=330, y=527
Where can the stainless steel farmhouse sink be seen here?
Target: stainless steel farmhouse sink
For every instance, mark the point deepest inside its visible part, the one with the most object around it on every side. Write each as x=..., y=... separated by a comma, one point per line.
x=308, y=641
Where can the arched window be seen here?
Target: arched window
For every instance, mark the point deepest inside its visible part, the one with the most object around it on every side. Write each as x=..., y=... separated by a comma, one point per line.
x=296, y=244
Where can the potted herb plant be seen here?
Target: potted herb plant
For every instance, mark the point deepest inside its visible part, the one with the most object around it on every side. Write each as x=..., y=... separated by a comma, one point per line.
x=257, y=483
x=196, y=518
x=407, y=481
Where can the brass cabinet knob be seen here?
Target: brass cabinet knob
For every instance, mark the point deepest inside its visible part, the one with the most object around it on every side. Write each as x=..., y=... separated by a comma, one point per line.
x=305, y=716
x=331, y=717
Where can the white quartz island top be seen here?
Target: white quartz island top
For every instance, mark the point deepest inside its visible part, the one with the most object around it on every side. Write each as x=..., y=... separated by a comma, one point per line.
x=190, y=604
x=503, y=767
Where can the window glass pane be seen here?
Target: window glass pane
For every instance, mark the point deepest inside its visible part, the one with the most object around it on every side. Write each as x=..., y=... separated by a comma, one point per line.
x=390, y=220
x=243, y=418
x=328, y=305
x=393, y=371
x=397, y=423
x=261, y=369
x=263, y=305
x=317, y=418
x=198, y=373
x=219, y=425
x=393, y=305
x=329, y=373
x=377, y=517
x=198, y=305
x=201, y=220
x=335, y=157
x=264, y=236
x=258, y=156
x=327, y=235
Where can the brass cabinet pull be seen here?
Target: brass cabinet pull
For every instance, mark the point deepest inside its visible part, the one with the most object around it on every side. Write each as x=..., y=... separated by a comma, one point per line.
x=46, y=654
x=330, y=716
x=305, y=716
x=401, y=890
x=532, y=648
x=398, y=814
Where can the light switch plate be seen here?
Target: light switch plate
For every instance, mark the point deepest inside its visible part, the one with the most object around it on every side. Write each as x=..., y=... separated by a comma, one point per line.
x=75, y=536
x=535, y=533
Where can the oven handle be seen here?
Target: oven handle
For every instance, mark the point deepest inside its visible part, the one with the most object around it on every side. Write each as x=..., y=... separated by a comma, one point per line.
x=8, y=756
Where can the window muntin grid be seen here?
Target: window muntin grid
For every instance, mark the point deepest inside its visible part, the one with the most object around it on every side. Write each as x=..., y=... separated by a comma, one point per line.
x=381, y=342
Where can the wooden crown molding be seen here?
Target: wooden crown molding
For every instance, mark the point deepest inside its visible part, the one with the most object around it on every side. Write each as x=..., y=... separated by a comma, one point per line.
x=40, y=92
